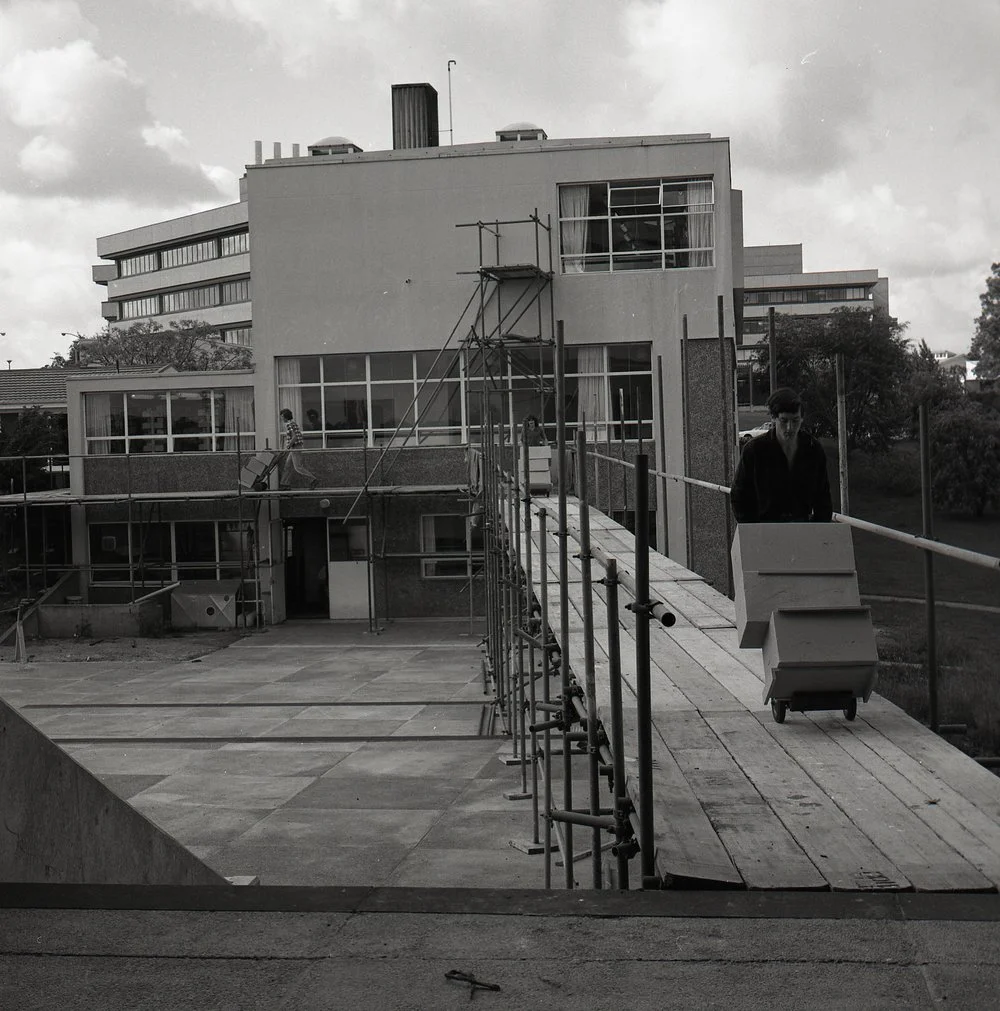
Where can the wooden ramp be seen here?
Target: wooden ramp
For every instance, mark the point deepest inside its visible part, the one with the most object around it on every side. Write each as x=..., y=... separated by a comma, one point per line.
x=880, y=803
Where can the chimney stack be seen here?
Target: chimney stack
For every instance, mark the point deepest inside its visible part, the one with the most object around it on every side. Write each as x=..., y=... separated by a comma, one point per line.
x=414, y=116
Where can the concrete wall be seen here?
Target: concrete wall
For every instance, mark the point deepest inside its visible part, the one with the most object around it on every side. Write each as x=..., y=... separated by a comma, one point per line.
x=62, y=824
x=64, y=621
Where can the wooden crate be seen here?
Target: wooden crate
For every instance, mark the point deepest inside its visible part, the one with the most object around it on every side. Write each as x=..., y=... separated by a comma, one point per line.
x=829, y=649
x=789, y=565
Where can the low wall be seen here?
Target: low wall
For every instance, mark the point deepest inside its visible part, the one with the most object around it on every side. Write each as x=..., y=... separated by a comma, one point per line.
x=64, y=621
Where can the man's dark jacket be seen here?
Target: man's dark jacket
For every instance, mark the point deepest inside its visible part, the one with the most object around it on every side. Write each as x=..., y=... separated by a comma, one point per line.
x=766, y=490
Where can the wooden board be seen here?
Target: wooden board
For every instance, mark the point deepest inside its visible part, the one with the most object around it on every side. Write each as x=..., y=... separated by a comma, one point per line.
x=842, y=853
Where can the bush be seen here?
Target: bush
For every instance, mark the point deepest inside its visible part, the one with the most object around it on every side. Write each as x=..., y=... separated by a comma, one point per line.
x=965, y=459
x=895, y=473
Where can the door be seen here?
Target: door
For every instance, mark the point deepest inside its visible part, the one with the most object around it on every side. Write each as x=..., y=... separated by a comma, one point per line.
x=306, y=572
x=348, y=579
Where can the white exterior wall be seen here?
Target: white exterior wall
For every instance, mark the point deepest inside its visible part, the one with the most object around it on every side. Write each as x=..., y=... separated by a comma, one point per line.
x=361, y=253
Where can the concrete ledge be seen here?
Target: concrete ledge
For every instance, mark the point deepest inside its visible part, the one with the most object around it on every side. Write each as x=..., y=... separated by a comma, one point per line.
x=508, y=902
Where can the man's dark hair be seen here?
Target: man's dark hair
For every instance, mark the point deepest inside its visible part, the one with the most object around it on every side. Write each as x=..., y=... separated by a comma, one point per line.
x=285, y=413
x=784, y=401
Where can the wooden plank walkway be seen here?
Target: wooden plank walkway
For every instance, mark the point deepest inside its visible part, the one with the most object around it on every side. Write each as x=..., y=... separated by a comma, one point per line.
x=740, y=801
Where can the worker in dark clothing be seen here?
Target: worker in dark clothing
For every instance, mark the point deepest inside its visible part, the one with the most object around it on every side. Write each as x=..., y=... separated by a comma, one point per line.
x=781, y=476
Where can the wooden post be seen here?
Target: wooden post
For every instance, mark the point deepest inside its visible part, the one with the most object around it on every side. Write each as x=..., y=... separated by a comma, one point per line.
x=845, y=507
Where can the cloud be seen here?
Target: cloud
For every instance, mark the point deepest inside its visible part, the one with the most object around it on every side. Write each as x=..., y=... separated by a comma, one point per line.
x=75, y=122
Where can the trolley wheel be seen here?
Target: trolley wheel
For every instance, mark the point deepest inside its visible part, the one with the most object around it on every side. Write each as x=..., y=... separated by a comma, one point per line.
x=778, y=710
x=851, y=709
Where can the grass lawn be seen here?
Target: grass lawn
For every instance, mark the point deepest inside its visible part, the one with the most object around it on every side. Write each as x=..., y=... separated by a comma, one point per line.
x=886, y=491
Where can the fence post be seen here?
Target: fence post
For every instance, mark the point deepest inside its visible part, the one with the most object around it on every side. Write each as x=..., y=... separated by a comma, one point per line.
x=543, y=568
x=644, y=726
x=928, y=531
x=590, y=682
x=617, y=721
x=845, y=506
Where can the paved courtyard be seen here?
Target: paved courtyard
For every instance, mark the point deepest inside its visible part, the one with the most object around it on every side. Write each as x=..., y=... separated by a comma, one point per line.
x=314, y=753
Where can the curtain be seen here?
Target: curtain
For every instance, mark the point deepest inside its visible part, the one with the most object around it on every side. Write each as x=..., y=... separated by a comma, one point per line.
x=700, y=223
x=591, y=400
x=238, y=417
x=289, y=376
x=97, y=417
x=573, y=203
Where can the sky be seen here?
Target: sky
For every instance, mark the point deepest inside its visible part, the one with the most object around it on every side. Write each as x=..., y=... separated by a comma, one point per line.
x=864, y=129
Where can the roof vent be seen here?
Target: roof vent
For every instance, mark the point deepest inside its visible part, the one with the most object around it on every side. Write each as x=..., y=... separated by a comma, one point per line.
x=522, y=131
x=334, y=145
x=414, y=116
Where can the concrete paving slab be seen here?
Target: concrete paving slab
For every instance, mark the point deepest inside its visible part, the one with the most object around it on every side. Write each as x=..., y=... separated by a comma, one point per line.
x=361, y=729
x=404, y=691
x=141, y=758
x=477, y=830
x=459, y=868
x=127, y=786
x=369, y=791
x=461, y=759
x=281, y=860
x=193, y=724
x=326, y=828
x=273, y=760
x=200, y=825
x=235, y=792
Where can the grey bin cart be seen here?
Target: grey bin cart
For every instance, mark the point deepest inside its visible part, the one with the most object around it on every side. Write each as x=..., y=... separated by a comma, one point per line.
x=205, y=603
x=819, y=658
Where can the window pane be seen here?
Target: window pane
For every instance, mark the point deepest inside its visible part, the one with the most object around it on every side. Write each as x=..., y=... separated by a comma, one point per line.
x=147, y=413
x=236, y=291
x=231, y=542
x=108, y=545
x=344, y=368
x=390, y=403
x=194, y=545
x=635, y=197
x=440, y=405
x=311, y=421
x=345, y=407
x=298, y=370
x=629, y=357
x=392, y=365
x=447, y=366
x=233, y=244
x=191, y=412
x=151, y=550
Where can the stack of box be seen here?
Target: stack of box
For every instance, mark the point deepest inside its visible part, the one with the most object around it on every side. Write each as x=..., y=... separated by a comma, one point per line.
x=797, y=600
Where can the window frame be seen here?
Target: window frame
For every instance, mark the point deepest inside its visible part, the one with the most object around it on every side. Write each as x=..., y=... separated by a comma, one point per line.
x=428, y=546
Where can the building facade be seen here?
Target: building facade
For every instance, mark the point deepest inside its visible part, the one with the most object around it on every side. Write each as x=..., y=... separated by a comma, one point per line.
x=773, y=278
x=397, y=296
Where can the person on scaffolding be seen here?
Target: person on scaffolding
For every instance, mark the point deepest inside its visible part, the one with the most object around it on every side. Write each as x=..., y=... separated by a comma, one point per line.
x=782, y=475
x=534, y=434
x=292, y=443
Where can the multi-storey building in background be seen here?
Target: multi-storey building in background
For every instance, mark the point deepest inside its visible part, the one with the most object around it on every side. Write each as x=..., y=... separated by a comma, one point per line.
x=395, y=293
x=773, y=278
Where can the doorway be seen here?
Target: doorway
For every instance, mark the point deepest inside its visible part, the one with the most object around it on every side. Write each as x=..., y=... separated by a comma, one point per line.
x=326, y=568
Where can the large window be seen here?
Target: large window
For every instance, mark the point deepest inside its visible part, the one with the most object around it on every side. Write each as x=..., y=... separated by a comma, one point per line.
x=185, y=299
x=230, y=244
x=357, y=399
x=455, y=541
x=165, y=552
x=783, y=296
x=174, y=421
x=649, y=224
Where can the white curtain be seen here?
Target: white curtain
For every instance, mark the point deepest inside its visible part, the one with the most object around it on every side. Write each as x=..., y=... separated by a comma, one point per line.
x=97, y=417
x=291, y=396
x=591, y=399
x=573, y=203
x=239, y=417
x=700, y=223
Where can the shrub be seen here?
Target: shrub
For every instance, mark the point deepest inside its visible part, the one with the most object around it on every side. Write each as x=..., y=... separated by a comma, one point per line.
x=965, y=459
x=895, y=473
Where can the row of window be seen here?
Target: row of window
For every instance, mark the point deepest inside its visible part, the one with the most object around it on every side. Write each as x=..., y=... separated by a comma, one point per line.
x=652, y=224
x=212, y=549
x=175, y=421
x=167, y=551
x=779, y=296
x=242, y=335
x=354, y=400
x=202, y=297
x=178, y=256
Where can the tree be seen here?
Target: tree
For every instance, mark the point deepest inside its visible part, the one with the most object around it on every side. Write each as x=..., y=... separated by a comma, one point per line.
x=34, y=434
x=929, y=384
x=986, y=342
x=876, y=367
x=188, y=345
x=965, y=458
